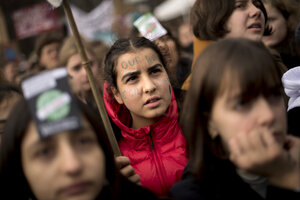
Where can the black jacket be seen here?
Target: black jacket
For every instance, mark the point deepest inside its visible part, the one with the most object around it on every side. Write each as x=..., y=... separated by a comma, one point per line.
x=221, y=182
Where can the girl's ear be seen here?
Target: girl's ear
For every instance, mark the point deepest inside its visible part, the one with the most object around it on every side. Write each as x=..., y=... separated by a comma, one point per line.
x=212, y=129
x=117, y=95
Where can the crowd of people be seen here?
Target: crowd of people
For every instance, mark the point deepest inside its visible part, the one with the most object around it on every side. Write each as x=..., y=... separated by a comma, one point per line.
x=209, y=111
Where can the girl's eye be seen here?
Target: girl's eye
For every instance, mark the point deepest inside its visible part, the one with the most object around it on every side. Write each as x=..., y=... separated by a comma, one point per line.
x=155, y=71
x=241, y=105
x=85, y=141
x=257, y=4
x=77, y=67
x=240, y=5
x=45, y=152
x=131, y=79
x=271, y=19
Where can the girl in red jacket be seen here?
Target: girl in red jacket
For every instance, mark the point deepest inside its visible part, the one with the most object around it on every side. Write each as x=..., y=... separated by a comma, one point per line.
x=140, y=101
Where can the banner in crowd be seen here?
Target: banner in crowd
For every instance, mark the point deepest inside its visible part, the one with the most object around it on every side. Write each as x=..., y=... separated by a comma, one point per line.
x=35, y=19
x=99, y=20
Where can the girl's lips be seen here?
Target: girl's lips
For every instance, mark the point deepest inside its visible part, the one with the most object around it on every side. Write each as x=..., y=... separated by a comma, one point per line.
x=255, y=26
x=152, y=103
x=75, y=189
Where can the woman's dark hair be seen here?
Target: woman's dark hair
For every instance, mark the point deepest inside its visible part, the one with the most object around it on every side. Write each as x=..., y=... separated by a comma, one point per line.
x=13, y=182
x=7, y=90
x=209, y=18
x=241, y=63
x=289, y=9
x=123, y=46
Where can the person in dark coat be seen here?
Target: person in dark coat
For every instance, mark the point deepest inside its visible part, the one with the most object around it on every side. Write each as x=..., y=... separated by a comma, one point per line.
x=234, y=119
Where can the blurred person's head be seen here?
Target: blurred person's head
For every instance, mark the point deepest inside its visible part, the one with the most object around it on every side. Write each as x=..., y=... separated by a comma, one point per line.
x=239, y=92
x=66, y=165
x=214, y=19
x=100, y=49
x=9, y=95
x=283, y=17
x=10, y=70
x=69, y=57
x=47, y=47
x=185, y=35
x=169, y=47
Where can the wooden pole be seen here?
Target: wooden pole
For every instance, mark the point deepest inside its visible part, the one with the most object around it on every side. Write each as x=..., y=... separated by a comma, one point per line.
x=87, y=66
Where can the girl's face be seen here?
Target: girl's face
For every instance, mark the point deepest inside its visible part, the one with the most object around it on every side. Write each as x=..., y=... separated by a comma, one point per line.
x=68, y=165
x=278, y=24
x=75, y=69
x=169, y=49
x=143, y=86
x=232, y=116
x=246, y=21
x=49, y=55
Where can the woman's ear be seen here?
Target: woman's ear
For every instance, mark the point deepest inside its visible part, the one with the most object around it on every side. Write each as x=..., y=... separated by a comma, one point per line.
x=212, y=129
x=117, y=95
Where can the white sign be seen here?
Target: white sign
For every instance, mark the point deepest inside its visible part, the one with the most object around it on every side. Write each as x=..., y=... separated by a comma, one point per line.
x=149, y=27
x=98, y=20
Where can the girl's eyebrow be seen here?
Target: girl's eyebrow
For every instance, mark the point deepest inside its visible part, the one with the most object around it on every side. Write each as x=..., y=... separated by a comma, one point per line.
x=129, y=74
x=135, y=73
x=38, y=142
x=154, y=66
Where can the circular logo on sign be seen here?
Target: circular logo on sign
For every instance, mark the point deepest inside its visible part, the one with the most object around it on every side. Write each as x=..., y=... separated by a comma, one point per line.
x=53, y=105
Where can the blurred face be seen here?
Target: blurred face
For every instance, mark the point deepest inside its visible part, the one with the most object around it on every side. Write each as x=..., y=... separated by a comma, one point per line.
x=278, y=24
x=232, y=116
x=143, y=86
x=11, y=71
x=5, y=106
x=168, y=47
x=49, y=55
x=65, y=166
x=246, y=21
x=185, y=35
x=80, y=82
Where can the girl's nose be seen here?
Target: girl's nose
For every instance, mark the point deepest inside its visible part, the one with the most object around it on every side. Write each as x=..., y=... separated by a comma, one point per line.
x=148, y=85
x=266, y=113
x=70, y=162
x=254, y=11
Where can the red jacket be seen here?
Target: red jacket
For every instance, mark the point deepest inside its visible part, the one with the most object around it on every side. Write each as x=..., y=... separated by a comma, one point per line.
x=156, y=152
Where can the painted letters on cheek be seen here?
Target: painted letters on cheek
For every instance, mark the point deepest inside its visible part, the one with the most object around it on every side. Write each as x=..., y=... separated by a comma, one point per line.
x=130, y=93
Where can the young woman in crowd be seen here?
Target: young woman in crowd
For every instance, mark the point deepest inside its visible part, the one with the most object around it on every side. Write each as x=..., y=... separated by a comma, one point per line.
x=179, y=66
x=283, y=19
x=70, y=58
x=141, y=103
x=235, y=123
x=213, y=20
x=67, y=165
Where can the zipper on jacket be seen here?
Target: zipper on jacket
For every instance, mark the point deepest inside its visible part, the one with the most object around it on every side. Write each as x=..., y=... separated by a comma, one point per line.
x=151, y=141
x=158, y=163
